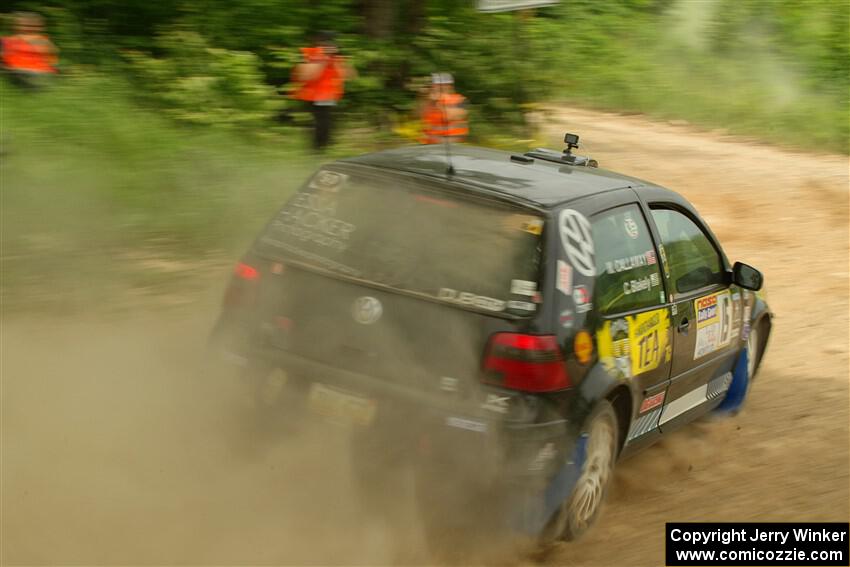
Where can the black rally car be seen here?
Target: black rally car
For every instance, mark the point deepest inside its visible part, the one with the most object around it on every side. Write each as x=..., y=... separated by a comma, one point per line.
x=509, y=325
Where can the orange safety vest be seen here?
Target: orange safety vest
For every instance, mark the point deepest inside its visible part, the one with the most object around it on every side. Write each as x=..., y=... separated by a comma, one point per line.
x=329, y=84
x=30, y=52
x=437, y=126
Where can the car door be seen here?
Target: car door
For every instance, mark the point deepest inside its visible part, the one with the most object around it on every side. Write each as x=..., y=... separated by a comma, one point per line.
x=704, y=311
x=633, y=326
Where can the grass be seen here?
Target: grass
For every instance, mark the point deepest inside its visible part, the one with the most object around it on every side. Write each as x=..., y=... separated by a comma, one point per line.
x=94, y=186
x=722, y=94
x=104, y=198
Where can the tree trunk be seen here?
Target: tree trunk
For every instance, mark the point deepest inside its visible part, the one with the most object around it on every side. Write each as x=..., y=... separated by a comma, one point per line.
x=380, y=17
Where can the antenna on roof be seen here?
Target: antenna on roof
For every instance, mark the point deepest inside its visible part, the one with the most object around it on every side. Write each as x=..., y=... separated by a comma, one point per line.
x=450, y=169
x=445, y=79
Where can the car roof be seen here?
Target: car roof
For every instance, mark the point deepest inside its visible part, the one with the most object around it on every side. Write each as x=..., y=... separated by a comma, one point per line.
x=541, y=182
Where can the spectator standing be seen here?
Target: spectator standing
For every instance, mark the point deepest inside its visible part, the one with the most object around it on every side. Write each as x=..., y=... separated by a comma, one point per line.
x=443, y=112
x=320, y=82
x=29, y=57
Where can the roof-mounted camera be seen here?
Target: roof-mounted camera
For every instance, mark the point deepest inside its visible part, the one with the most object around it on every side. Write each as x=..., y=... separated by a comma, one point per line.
x=571, y=140
x=567, y=157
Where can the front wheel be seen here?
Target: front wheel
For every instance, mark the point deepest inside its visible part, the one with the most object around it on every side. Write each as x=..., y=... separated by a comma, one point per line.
x=578, y=513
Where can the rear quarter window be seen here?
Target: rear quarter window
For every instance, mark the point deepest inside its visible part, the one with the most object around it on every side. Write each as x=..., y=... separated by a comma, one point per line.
x=628, y=274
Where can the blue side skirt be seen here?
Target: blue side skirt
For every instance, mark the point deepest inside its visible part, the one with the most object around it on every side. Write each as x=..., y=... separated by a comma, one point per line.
x=739, y=387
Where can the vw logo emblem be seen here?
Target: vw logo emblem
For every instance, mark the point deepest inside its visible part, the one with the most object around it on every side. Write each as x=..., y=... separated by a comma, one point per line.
x=366, y=310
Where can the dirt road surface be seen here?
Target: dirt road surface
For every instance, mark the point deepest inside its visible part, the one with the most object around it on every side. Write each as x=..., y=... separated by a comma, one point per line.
x=117, y=448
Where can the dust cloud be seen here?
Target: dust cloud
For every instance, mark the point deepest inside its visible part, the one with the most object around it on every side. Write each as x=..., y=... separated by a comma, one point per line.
x=120, y=446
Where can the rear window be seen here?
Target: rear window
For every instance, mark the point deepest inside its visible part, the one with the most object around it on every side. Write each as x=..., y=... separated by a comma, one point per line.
x=398, y=233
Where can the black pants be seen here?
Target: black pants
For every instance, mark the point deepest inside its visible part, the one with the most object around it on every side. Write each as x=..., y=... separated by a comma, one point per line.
x=321, y=125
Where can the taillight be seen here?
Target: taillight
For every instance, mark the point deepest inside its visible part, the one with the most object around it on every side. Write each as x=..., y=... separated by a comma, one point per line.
x=531, y=363
x=246, y=272
x=242, y=291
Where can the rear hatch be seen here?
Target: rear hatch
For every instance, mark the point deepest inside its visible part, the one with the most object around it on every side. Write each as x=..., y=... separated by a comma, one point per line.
x=395, y=277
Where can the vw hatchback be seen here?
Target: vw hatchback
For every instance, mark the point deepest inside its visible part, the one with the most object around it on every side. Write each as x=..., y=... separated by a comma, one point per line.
x=507, y=325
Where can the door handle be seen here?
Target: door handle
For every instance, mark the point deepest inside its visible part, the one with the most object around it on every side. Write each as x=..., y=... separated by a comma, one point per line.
x=683, y=326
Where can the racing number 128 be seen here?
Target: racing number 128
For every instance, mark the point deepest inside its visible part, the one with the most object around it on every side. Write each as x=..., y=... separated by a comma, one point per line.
x=648, y=349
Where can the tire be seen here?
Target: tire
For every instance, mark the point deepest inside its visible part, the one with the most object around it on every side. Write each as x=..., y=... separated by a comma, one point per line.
x=578, y=513
x=743, y=374
x=753, y=351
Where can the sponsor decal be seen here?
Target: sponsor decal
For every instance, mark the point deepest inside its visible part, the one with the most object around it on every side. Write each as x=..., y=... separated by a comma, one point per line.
x=565, y=319
x=310, y=217
x=564, y=276
x=631, y=226
x=621, y=349
x=533, y=226
x=675, y=309
x=521, y=305
x=448, y=384
x=696, y=397
x=526, y=223
x=635, y=344
x=643, y=424
x=737, y=313
x=652, y=402
x=650, y=258
x=724, y=302
x=328, y=181
x=466, y=298
x=366, y=310
x=497, y=403
x=714, y=325
x=581, y=298
x=718, y=385
x=577, y=240
x=523, y=287
x=648, y=345
x=664, y=263
x=544, y=456
x=468, y=424
x=583, y=347
x=748, y=309
x=655, y=280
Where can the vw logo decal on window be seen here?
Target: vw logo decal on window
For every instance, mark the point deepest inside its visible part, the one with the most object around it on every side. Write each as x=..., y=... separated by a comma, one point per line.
x=366, y=310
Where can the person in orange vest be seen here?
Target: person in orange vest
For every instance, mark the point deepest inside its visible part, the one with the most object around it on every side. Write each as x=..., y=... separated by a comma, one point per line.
x=443, y=112
x=320, y=82
x=28, y=55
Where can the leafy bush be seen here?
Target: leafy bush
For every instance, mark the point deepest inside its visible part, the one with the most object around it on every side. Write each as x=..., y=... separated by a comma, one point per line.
x=200, y=84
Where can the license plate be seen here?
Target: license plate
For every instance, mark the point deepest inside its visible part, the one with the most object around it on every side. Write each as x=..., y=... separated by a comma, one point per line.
x=341, y=407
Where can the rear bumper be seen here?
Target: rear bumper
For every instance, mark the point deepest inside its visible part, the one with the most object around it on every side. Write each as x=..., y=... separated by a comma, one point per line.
x=522, y=470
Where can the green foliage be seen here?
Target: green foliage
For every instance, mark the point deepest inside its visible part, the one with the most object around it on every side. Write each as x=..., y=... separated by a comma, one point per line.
x=93, y=186
x=771, y=68
x=199, y=84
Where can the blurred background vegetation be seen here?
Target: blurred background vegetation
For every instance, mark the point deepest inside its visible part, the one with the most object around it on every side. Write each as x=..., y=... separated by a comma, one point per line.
x=168, y=135
x=779, y=69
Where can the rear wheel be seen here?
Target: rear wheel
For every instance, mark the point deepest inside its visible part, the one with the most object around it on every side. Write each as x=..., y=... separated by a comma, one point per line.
x=578, y=513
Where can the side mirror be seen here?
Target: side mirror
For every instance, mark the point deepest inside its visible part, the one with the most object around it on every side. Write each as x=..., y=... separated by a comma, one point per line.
x=747, y=277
